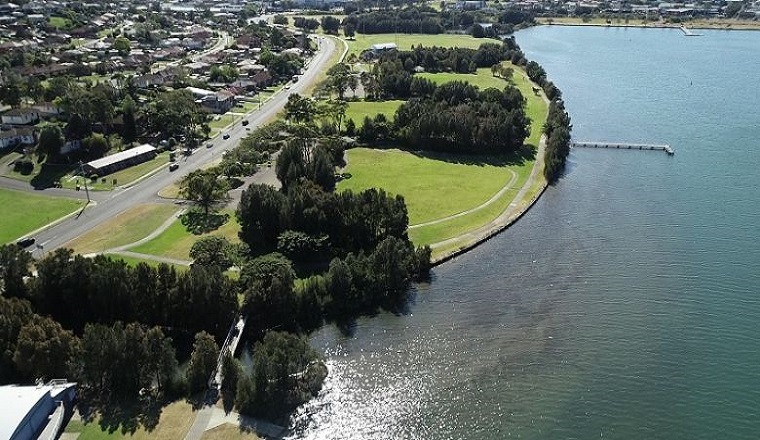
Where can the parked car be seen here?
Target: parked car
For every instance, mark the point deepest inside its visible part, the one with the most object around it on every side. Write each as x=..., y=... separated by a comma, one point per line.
x=173, y=166
x=25, y=242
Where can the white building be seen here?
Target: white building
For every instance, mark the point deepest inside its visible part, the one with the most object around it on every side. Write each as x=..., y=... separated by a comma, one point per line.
x=20, y=116
x=32, y=412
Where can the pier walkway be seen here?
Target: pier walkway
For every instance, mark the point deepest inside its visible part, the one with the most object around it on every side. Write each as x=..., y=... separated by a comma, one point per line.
x=230, y=346
x=625, y=146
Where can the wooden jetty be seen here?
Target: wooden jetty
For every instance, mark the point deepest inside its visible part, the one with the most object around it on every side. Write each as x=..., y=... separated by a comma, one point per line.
x=625, y=146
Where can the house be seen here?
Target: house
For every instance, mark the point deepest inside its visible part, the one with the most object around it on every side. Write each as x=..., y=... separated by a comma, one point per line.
x=262, y=79
x=16, y=136
x=214, y=102
x=383, y=47
x=123, y=159
x=47, y=109
x=21, y=116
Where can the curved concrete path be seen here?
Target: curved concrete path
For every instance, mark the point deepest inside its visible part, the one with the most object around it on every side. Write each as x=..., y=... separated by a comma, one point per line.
x=494, y=198
x=515, y=209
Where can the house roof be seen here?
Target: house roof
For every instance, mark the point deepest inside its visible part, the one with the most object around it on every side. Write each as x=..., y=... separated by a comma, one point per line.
x=121, y=156
x=19, y=112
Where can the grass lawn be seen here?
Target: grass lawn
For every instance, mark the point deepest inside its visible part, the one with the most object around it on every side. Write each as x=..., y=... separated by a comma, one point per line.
x=44, y=175
x=228, y=432
x=220, y=122
x=59, y=22
x=177, y=240
x=246, y=106
x=125, y=228
x=24, y=212
x=432, y=187
x=357, y=110
x=436, y=187
x=482, y=79
x=405, y=41
x=174, y=423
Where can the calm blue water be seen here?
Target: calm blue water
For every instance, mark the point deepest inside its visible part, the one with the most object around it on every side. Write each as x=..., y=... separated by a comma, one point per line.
x=624, y=305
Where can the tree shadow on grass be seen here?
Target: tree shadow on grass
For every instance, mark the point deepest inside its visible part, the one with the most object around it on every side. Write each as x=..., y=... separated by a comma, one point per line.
x=526, y=153
x=199, y=222
x=125, y=416
x=49, y=175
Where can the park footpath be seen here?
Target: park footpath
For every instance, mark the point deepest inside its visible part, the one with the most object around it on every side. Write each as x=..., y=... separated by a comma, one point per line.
x=211, y=416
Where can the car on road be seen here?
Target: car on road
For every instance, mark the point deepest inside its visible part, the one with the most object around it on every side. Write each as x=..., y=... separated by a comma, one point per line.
x=26, y=242
x=173, y=166
x=209, y=145
x=245, y=122
x=226, y=136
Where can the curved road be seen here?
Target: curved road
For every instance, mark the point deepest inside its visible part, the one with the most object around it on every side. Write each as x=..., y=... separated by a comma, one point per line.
x=111, y=203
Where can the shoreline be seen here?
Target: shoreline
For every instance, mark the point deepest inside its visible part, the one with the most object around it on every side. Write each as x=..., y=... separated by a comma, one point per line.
x=506, y=218
x=718, y=26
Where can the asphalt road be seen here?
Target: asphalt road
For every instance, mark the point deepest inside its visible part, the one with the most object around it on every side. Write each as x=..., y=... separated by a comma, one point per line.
x=111, y=203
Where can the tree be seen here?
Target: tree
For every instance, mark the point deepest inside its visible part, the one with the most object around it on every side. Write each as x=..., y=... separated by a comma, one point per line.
x=202, y=361
x=340, y=79
x=11, y=90
x=14, y=267
x=15, y=313
x=95, y=144
x=213, y=250
x=330, y=24
x=44, y=349
x=288, y=372
x=349, y=30
x=231, y=372
x=122, y=45
x=128, y=110
x=300, y=109
x=259, y=216
x=161, y=359
x=51, y=140
x=204, y=188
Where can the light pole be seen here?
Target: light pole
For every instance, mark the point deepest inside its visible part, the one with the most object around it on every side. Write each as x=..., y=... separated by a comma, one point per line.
x=84, y=178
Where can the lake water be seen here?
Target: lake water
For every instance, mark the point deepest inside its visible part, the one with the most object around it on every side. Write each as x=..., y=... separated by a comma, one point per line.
x=624, y=305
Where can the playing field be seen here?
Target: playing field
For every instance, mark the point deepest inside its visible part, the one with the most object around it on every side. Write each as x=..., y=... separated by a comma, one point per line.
x=25, y=212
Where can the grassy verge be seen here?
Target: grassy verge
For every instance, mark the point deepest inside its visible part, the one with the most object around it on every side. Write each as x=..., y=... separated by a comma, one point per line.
x=134, y=261
x=228, y=432
x=24, y=212
x=174, y=423
x=127, y=227
x=334, y=57
x=177, y=240
x=358, y=110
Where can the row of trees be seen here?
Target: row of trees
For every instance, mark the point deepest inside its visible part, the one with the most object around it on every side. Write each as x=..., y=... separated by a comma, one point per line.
x=117, y=360
x=460, y=118
x=75, y=291
x=352, y=222
x=557, y=130
x=412, y=20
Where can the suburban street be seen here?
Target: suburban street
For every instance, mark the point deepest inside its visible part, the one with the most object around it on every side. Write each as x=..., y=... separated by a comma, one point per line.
x=110, y=203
